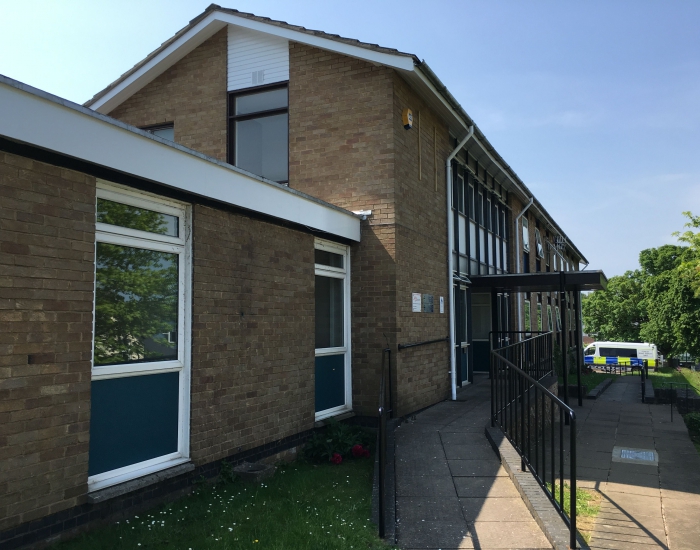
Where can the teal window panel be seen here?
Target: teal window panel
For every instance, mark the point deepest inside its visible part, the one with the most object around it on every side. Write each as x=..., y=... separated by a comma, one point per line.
x=330, y=381
x=133, y=419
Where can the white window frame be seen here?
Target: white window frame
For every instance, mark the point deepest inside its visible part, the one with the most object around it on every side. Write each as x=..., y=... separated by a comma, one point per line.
x=526, y=234
x=538, y=244
x=182, y=246
x=338, y=273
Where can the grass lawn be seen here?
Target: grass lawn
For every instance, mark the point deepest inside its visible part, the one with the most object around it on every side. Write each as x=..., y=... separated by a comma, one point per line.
x=303, y=506
x=587, y=507
x=668, y=374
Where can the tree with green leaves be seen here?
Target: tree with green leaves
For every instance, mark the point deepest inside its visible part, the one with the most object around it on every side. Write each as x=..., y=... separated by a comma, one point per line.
x=659, y=303
x=136, y=303
x=618, y=312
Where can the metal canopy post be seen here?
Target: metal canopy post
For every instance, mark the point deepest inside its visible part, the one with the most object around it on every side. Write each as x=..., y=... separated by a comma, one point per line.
x=579, y=341
x=563, y=305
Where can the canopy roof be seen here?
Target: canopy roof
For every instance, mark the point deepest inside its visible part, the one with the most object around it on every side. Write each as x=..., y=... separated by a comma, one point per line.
x=542, y=282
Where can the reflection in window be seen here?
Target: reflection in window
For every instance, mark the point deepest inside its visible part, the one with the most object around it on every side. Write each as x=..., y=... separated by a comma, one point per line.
x=259, y=133
x=329, y=312
x=136, y=305
x=132, y=217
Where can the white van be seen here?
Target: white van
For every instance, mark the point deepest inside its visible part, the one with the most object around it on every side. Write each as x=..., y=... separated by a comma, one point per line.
x=621, y=353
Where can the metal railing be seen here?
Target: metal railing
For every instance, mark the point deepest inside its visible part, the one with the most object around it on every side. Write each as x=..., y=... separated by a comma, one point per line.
x=424, y=343
x=533, y=354
x=528, y=414
x=503, y=338
x=384, y=414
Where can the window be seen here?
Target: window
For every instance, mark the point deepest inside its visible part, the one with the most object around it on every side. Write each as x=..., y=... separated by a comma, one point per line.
x=538, y=244
x=259, y=132
x=166, y=131
x=526, y=234
x=550, y=323
x=471, y=201
x=140, y=374
x=539, y=317
x=332, y=372
x=528, y=317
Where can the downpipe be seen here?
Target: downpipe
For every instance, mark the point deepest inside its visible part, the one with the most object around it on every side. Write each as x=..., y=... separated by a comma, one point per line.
x=450, y=266
x=518, y=255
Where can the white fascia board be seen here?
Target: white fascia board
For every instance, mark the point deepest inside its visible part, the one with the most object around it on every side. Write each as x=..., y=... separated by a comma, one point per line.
x=209, y=26
x=445, y=104
x=44, y=121
x=196, y=36
x=396, y=61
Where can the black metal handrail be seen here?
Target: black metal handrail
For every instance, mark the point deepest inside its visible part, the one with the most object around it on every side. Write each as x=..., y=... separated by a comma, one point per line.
x=384, y=414
x=502, y=338
x=534, y=355
x=526, y=412
x=425, y=343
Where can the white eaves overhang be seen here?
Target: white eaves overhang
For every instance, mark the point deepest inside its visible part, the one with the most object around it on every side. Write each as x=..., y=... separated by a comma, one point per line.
x=47, y=122
x=209, y=25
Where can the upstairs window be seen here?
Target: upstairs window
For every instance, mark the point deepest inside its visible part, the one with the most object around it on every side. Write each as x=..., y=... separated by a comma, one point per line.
x=526, y=235
x=166, y=131
x=540, y=248
x=259, y=132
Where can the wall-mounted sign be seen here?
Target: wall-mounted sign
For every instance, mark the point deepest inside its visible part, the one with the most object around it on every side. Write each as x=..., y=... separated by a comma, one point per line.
x=416, y=297
x=442, y=304
x=427, y=303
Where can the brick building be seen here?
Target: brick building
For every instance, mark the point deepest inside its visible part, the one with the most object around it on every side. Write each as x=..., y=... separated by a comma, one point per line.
x=208, y=258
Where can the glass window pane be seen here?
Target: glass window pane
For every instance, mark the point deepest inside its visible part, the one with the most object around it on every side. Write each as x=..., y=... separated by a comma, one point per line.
x=262, y=146
x=471, y=202
x=328, y=258
x=461, y=222
x=472, y=239
x=133, y=217
x=262, y=101
x=165, y=133
x=136, y=305
x=329, y=313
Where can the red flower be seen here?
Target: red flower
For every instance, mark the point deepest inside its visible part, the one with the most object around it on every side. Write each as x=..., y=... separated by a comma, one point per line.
x=358, y=451
x=336, y=458
x=365, y=452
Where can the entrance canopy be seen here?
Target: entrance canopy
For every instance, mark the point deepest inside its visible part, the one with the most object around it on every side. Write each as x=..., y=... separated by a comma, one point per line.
x=542, y=282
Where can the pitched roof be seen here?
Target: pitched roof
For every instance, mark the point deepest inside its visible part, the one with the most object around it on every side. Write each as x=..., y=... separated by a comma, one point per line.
x=416, y=72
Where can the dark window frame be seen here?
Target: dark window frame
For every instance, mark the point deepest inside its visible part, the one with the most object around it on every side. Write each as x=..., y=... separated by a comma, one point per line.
x=152, y=128
x=232, y=118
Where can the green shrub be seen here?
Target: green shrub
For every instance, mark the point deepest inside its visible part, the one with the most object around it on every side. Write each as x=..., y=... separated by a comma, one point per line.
x=692, y=420
x=336, y=438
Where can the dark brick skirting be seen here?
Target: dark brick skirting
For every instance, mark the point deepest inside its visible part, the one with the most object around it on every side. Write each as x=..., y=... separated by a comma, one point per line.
x=67, y=523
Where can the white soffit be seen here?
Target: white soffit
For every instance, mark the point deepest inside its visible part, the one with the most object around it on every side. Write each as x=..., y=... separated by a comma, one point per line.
x=206, y=28
x=255, y=59
x=30, y=116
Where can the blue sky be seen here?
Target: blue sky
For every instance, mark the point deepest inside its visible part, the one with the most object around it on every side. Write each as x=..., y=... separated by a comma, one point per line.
x=594, y=104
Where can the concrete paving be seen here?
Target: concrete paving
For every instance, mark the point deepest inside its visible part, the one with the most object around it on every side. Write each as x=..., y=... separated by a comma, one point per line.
x=451, y=490
x=644, y=506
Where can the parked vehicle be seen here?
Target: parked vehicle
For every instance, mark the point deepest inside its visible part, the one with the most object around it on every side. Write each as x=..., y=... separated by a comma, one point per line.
x=633, y=354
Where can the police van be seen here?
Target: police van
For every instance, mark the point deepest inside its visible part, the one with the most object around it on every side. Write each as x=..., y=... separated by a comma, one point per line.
x=630, y=354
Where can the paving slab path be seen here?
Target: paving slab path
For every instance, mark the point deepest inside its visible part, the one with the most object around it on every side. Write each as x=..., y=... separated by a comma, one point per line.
x=645, y=505
x=451, y=490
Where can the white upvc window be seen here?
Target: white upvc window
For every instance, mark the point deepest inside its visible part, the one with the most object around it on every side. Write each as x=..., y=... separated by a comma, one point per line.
x=526, y=234
x=333, y=379
x=538, y=242
x=141, y=337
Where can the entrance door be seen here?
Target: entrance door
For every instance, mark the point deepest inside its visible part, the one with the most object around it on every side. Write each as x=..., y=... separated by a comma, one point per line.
x=481, y=326
x=464, y=376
